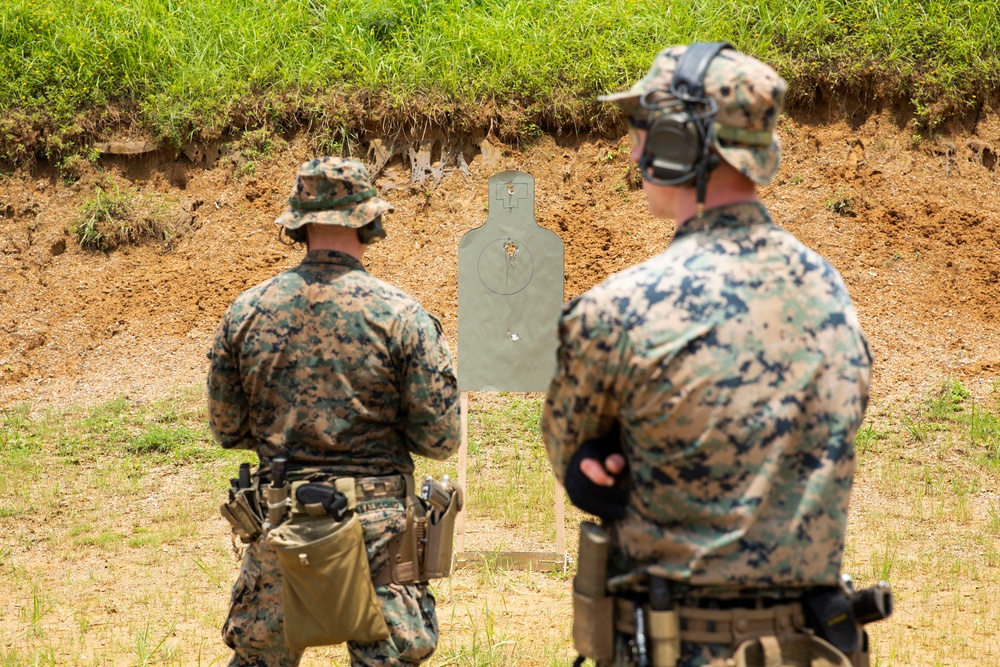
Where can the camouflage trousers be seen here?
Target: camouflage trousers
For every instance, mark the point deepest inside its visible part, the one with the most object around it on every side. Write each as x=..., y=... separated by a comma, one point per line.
x=254, y=628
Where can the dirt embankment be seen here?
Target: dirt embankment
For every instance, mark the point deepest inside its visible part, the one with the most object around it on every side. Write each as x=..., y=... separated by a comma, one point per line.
x=911, y=223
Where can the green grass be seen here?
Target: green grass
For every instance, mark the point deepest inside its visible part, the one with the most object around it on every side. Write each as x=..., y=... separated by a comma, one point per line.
x=172, y=430
x=182, y=68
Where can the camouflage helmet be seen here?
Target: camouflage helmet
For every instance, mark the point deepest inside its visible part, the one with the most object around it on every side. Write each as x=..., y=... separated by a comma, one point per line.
x=750, y=96
x=332, y=191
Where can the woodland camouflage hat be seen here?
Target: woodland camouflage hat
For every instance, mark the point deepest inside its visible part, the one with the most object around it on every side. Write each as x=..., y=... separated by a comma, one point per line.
x=332, y=191
x=750, y=96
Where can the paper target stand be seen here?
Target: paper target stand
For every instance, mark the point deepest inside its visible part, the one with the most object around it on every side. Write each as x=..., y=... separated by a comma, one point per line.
x=510, y=294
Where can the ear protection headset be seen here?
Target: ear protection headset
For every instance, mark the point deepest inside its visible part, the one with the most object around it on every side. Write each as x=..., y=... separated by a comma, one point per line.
x=681, y=124
x=371, y=233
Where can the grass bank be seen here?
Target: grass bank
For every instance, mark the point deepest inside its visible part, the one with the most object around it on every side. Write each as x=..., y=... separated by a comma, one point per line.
x=71, y=70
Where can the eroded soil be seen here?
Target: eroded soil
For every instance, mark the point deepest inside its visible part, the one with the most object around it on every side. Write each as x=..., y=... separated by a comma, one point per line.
x=910, y=223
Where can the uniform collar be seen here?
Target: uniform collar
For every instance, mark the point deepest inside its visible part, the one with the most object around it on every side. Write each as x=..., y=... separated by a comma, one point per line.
x=729, y=216
x=333, y=257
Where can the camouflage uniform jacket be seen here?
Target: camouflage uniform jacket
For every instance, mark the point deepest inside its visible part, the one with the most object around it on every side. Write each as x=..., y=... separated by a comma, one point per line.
x=738, y=373
x=334, y=368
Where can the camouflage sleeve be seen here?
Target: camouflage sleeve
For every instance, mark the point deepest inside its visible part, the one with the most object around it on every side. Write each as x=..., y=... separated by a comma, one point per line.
x=584, y=397
x=430, y=404
x=228, y=415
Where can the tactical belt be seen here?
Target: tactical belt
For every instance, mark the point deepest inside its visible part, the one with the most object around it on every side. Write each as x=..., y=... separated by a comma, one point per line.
x=371, y=488
x=723, y=626
x=365, y=488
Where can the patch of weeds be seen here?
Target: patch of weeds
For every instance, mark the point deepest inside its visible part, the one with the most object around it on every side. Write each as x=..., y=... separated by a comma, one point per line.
x=884, y=562
x=993, y=521
x=115, y=217
x=530, y=133
x=796, y=179
x=144, y=537
x=916, y=428
x=144, y=647
x=160, y=439
x=612, y=154
x=841, y=204
x=74, y=166
x=486, y=646
x=256, y=145
x=106, y=538
x=949, y=400
x=866, y=438
x=40, y=607
x=335, y=141
x=110, y=421
x=18, y=431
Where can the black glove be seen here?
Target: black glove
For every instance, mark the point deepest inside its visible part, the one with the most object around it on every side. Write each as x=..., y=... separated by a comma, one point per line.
x=606, y=502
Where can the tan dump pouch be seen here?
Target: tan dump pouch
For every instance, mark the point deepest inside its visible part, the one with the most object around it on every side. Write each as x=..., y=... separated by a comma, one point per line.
x=328, y=593
x=796, y=650
x=594, y=627
x=441, y=539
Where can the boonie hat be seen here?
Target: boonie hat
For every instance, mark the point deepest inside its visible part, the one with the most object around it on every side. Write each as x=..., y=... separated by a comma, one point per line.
x=750, y=96
x=332, y=191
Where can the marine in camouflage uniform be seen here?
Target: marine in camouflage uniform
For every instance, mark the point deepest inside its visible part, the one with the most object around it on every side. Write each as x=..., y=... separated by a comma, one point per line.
x=735, y=370
x=346, y=376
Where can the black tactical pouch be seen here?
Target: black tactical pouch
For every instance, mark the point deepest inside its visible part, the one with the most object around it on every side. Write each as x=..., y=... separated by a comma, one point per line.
x=830, y=615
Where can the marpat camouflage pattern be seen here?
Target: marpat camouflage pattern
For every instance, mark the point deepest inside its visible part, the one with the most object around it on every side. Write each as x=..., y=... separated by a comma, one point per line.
x=339, y=372
x=332, y=191
x=341, y=369
x=737, y=369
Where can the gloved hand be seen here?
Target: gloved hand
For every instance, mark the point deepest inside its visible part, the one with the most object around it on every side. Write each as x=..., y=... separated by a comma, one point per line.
x=606, y=502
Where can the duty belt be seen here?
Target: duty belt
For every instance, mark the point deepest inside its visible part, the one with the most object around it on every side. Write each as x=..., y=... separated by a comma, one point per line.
x=723, y=626
x=364, y=488
x=370, y=488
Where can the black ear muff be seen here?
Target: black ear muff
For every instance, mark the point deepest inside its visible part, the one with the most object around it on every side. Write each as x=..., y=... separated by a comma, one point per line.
x=672, y=150
x=371, y=233
x=679, y=136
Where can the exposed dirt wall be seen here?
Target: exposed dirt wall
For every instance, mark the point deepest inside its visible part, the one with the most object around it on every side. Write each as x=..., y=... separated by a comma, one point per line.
x=910, y=223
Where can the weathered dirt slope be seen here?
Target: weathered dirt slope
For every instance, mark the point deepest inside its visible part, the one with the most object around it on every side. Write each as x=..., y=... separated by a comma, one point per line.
x=910, y=223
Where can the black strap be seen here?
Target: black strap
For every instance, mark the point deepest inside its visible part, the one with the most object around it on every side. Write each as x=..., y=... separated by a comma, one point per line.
x=689, y=77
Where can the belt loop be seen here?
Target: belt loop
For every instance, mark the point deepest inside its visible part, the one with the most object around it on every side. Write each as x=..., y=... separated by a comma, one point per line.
x=346, y=486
